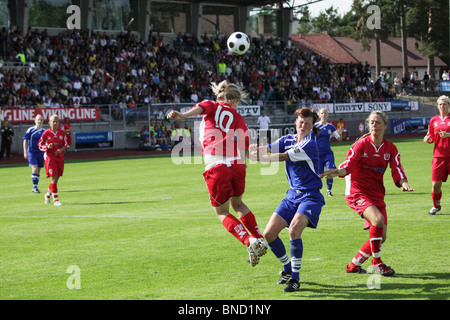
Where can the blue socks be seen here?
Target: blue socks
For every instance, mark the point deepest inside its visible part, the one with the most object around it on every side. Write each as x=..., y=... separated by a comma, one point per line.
x=290, y=265
x=329, y=184
x=278, y=249
x=35, y=180
x=296, y=257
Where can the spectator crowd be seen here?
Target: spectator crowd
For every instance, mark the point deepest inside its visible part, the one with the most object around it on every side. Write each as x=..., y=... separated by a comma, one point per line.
x=76, y=68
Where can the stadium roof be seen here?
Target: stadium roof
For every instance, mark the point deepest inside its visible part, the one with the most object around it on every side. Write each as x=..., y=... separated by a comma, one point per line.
x=348, y=50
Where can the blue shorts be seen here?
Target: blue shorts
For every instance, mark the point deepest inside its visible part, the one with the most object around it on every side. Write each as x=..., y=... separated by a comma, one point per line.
x=326, y=160
x=36, y=159
x=308, y=203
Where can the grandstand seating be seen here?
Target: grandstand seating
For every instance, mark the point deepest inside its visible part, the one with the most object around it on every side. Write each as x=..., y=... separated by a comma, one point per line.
x=73, y=68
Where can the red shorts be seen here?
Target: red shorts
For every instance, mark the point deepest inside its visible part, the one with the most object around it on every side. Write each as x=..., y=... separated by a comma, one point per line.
x=359, y=202
x=54, y=167
x=224, y=182
x=440, y=169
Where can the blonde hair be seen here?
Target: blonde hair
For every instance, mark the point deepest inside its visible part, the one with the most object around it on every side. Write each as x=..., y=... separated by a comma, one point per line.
x=53, y=116
x=226, y=91
x=378, y=113
x=443, y=97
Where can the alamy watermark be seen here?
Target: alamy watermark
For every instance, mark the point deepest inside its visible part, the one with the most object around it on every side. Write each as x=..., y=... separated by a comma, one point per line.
x=74, y=280
x=374, y=21
x=374, y=281
x=74, y=21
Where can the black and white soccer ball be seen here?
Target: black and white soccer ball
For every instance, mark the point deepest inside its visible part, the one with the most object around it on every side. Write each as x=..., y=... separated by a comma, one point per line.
x=238, y=43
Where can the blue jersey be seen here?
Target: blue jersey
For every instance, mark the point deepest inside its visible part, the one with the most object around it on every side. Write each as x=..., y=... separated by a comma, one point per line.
x=323, y=138
x=303, y=165
x=33, y=135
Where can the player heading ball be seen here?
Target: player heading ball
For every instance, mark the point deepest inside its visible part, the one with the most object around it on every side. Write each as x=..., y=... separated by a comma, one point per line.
x=223, y=133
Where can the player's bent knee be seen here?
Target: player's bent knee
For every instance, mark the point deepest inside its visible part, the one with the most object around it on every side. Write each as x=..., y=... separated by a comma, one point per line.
x=270, y=236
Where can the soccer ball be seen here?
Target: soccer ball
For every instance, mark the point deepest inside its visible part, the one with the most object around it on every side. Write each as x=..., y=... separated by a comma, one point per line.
x=238, y=43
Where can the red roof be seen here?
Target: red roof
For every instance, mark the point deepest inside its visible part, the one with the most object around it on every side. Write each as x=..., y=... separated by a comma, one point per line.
x=348, y=50
x=325, y=45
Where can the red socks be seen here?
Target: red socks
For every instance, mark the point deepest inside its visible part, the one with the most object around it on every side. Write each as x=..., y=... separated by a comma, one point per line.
x=371, y=247
x=436, y=199
x=363, y=254
x=249, y=222
x=236, y=229
x=53, y=188
x=376, y=238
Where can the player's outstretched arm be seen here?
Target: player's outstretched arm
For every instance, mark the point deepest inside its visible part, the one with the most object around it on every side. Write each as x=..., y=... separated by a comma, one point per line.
x=255, y=152
x=176, y=115
x=260, y=154
x=333, y=173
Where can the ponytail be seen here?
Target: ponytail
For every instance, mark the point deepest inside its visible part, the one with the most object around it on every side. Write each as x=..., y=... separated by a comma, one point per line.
x=226, y=91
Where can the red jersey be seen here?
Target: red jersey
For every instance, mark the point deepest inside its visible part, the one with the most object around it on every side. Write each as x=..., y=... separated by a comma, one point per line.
x=221, y=123
x=366, y=164
x=441, y=145
x=58, y=139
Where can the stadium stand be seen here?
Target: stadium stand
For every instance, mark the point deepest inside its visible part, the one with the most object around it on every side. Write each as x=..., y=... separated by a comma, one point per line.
x=74, y=69
x=78, y=69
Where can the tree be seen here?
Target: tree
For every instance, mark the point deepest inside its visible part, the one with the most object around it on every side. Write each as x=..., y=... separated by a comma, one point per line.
x=365, y=31
x=305, y=21
x=326, y=21
x=428, y=22
x=335, y=25
x=402, y=9
x=425, y=20
x=43, y=14
x=388, y=13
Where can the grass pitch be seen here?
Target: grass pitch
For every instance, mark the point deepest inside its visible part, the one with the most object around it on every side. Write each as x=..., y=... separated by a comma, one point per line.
x=143, y=228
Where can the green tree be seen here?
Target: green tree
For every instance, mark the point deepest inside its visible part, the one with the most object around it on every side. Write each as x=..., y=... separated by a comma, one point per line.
x=428, y=22
x=304, y=20
x=346, y=25
x=43, y=14
x=390, y=13
x=326, y=21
